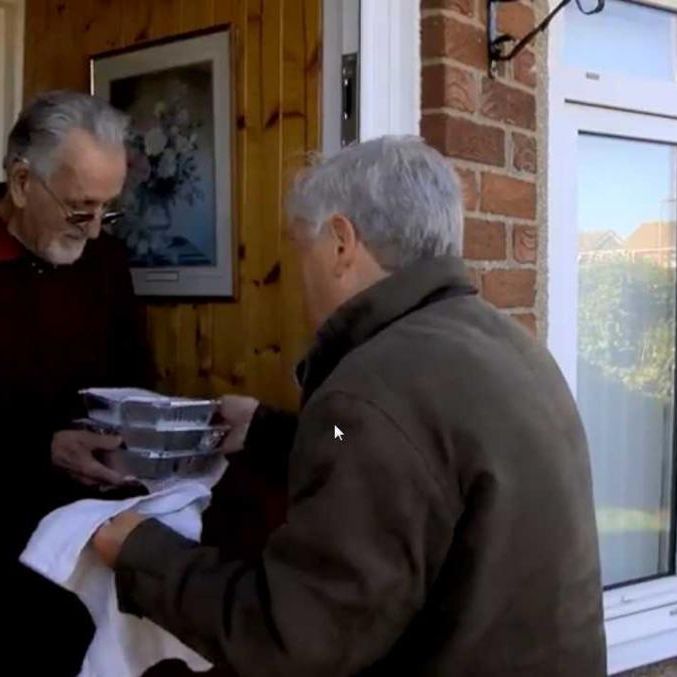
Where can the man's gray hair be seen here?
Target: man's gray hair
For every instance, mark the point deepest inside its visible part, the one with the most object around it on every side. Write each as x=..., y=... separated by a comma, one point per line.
x=47, y=119
x=401, y=195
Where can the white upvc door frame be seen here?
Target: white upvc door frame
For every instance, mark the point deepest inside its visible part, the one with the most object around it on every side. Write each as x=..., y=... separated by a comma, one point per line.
x=390, y=53
x=641, y=619
x=388, y=35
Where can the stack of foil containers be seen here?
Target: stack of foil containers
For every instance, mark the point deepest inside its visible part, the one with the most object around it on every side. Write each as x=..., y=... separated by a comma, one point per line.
x=162, y=436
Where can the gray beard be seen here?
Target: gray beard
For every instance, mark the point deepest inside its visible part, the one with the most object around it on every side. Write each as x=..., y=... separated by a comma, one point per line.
x=63, y=255
x=56, y=252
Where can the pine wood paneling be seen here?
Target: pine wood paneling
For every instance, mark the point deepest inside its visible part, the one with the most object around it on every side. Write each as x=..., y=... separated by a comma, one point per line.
x=249, y=345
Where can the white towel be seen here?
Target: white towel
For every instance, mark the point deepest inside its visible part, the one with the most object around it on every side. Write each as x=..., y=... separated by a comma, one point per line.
x=123, y=645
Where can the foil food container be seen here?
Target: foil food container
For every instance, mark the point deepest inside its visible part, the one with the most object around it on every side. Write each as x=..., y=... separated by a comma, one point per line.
x=144, y=408
x=198, y=440
x=157, y=465
x=194, y=440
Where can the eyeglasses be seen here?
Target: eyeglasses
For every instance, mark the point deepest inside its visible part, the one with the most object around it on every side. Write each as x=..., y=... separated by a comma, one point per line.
x=79, y=218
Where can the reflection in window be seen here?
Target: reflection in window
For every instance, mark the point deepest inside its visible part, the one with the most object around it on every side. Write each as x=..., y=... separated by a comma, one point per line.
x=626, y=347
x=625, y=38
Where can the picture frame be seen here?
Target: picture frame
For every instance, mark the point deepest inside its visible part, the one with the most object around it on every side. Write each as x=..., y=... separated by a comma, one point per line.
x=178, y=198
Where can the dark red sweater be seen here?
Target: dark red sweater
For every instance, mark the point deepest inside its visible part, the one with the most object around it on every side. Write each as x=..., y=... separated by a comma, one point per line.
x=61, y=329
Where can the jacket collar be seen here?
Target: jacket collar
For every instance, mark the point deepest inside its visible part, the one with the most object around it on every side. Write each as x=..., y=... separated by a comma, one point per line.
x=371, y=311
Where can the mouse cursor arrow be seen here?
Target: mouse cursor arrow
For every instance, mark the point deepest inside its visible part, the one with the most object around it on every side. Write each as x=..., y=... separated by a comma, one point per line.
x=338, y=433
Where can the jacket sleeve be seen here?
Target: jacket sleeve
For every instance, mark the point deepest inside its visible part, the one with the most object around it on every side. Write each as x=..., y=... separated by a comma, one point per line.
x=269, y=442
x=367, y=531
x=252, y=497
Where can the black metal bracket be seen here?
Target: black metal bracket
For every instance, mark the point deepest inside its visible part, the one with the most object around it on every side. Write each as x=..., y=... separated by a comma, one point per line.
x=498, y=43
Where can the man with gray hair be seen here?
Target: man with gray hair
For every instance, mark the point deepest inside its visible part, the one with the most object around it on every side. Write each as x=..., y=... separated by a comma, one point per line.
x=440, y=516
x=69, y=321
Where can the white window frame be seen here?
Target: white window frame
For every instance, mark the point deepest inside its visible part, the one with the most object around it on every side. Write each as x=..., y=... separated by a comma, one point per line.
x=641, y=619
x=390, y=66
x=12, y=19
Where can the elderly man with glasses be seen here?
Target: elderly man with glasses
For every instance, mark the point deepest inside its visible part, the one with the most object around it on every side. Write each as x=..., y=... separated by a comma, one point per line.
x=69, y=321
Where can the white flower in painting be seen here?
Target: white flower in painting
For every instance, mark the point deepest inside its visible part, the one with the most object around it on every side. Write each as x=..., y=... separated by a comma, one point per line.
x=167, y=166
x=183, y=145
x=142, y=247
x=155, y=141
x=160, y=108
x=132, y=240
x=183, y=117
x=193, y=140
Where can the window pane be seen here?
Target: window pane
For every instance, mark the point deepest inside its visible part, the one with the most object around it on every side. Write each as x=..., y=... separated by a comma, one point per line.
x=625, y=38
x=626, y=347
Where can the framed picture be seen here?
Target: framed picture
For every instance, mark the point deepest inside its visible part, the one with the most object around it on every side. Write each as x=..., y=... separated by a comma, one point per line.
x=178, y=224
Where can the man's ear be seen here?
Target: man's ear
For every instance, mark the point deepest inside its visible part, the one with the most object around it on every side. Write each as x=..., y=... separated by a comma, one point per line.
x=345, y=241
x=17, y=183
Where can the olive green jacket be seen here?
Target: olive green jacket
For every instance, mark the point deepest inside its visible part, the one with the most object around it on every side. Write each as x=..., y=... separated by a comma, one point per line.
x=451, y=532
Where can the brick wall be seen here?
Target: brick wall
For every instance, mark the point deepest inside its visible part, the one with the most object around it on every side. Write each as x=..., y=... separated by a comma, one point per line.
x=489, y=128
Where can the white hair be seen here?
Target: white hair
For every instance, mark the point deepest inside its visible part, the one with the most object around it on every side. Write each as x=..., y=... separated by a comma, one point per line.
x=402, y=196
x=45, y=122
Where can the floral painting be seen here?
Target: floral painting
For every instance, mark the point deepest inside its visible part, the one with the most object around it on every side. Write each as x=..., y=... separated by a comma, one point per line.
x=177, y=200
x=169, y=195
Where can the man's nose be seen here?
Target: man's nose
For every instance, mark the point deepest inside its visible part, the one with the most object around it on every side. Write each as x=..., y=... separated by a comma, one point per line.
x=93, y=228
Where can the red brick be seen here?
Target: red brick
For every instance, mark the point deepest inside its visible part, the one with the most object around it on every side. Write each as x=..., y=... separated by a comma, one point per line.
x=464, y=139
x=524, y=153
x=475, y=277
x=528, y=321
x=505, y=195
x=510, y=288
x=443, y=36
x=482, y=11
x=471, y=191
x=433, y=37
x=524, y=68
x=484, y=240
x=525, y=244
x=515, y=19
x=444, y=86
x=507, y=104
x=466, y=7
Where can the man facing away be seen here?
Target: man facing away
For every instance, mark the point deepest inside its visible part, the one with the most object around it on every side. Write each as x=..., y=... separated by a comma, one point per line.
x=69, y=321
x=449, y=529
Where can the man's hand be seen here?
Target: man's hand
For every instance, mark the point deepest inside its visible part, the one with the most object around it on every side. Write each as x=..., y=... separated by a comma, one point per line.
x=109, y=539
x=237, y=412
x=73, y=450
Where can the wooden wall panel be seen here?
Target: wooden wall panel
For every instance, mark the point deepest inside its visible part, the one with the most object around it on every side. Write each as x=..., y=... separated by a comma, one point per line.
x=249, y=345
x=300, y=101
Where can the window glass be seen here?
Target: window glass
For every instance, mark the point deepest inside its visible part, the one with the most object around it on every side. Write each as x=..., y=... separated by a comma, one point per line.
x=626, y=347
x=625, y=38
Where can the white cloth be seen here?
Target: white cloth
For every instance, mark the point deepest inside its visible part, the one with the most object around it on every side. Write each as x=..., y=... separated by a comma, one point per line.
x=123, y=645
